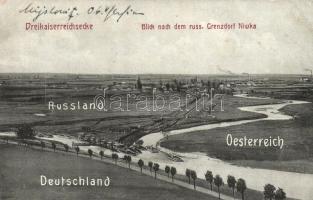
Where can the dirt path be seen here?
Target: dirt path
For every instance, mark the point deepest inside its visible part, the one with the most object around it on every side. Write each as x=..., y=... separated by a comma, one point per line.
x=134, y=167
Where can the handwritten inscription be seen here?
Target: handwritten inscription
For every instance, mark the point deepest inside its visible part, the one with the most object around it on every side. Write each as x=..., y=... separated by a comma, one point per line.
x=105, y=12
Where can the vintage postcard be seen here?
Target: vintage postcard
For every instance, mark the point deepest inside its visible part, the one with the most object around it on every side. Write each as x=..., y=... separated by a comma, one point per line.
x=156, y=99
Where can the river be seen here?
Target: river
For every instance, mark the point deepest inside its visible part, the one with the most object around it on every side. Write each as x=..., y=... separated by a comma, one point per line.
x=296, y=185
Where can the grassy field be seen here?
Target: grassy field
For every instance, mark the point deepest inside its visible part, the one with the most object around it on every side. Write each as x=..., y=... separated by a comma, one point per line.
x=295, y=156
x=66, y=122
x=20, y=171
x=230, y=113
x=22, y=98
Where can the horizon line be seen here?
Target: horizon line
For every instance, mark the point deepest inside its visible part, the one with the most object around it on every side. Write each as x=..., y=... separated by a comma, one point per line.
x=134, y=74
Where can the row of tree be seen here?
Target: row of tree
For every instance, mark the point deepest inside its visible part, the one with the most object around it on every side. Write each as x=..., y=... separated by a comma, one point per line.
x=270, y=192
x=217, y=180
x=232, y=183
x=193, y=175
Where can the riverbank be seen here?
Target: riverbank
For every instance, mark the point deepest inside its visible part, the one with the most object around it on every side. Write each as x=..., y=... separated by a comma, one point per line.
x=294, y=157
x=22, y=167
x=112, y=125
x=257, y=178
x=201, y=163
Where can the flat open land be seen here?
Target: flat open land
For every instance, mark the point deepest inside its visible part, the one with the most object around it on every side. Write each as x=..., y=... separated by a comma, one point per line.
x=296, y=155
x=24, y=99
x=20, y=171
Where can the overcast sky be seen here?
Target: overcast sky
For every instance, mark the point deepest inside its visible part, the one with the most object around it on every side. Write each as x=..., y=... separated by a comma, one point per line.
x=282, y=42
